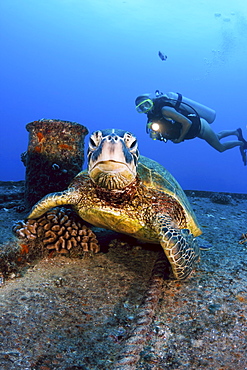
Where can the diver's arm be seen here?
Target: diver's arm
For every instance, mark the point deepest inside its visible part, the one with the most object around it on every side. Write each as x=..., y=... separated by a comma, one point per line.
x=169, y=112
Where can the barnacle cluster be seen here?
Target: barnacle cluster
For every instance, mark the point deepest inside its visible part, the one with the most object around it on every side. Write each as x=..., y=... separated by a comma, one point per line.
x=60, y=230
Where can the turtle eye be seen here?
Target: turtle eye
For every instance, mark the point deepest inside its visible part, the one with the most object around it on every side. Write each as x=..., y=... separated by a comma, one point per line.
x=133, y=144
x=92, y=143
x=95, y=140
x=130, y=141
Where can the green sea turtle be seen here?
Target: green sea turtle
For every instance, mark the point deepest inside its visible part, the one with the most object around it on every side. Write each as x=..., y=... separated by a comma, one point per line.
x=133, y=195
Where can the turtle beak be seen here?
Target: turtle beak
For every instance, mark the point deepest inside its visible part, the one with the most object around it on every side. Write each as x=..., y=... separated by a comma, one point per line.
x=112, y=175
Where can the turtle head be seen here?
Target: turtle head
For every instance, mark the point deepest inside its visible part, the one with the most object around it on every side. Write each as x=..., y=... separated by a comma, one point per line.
x=112, y=158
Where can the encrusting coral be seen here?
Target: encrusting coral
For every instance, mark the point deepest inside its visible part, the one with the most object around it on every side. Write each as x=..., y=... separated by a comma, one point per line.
x=58, y=231
x=221, y=198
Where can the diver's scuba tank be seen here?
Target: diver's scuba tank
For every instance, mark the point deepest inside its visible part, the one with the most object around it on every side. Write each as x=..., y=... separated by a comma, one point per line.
x=190, y=105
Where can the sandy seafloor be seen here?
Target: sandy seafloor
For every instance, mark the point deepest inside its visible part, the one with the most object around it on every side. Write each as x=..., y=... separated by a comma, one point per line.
x=62, y=313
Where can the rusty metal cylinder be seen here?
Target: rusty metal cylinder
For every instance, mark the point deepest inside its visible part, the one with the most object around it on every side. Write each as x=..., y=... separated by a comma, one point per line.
x=54, y=156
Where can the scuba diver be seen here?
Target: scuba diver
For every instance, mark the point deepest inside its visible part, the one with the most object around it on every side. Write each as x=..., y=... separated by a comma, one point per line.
x=173, y=117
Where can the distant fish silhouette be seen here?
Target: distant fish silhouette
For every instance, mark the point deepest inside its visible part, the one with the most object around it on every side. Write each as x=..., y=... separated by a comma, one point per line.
x=162, y=56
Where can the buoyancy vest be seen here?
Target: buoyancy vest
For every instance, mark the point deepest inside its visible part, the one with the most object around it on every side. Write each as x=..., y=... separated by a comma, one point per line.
x=156, y=115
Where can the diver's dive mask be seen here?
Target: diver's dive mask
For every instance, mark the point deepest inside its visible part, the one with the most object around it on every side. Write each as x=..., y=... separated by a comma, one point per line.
x=155, y=131
x=144, y=106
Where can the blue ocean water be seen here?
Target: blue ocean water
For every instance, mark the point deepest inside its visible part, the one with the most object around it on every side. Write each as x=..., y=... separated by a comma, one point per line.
x=87, y=60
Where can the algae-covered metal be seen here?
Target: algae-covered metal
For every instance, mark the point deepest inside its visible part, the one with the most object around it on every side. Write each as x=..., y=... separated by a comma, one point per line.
x=54, y=156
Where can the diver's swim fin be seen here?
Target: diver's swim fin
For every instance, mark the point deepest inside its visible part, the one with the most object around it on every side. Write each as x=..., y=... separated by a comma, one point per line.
x=243, y=154
x=240, y=136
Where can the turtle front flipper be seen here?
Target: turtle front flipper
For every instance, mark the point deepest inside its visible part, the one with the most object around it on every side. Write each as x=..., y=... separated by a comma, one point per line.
x=53, y=200
x=180, y=246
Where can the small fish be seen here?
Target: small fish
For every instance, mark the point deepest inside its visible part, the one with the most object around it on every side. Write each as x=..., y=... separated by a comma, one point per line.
x=162, y=56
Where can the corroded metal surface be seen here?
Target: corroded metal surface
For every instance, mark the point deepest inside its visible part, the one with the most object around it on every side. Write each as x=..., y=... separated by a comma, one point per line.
x=54, y=156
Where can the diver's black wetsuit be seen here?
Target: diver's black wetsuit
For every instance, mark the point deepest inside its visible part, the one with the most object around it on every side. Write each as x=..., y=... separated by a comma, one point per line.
x=156, y=114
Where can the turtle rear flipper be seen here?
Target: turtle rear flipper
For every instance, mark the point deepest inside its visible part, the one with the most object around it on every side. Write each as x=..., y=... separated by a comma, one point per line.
x=180, y=247
x=53, y=200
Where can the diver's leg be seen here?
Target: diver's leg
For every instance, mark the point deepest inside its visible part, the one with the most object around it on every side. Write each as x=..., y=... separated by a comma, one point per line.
x=226, y=133
x=207, y=134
